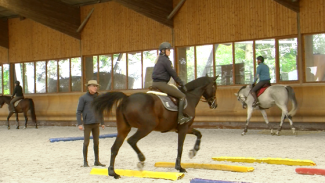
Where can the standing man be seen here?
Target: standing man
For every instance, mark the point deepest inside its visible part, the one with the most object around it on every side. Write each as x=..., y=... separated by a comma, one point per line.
x=18, y=91
x=263, y=74
x=90, y=124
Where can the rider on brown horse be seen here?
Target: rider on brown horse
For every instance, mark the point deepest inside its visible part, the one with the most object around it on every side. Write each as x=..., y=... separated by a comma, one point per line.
x=18, y=91
x=161, y=75
x=263, y=74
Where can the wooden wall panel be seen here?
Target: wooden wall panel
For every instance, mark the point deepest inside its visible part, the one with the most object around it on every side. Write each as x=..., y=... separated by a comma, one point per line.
x=3, y=55
x=114, y=28
x=312, y=16
x=31, y=41
x=211, y=21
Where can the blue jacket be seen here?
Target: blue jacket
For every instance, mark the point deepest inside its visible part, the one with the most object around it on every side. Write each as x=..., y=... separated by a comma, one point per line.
x=263, y=71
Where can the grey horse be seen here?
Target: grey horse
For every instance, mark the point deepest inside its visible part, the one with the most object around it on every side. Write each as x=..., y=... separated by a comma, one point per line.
x=275, y=94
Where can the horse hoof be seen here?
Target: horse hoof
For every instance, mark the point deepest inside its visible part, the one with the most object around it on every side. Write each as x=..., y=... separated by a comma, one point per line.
x=192, y=153
x=116, y=176
x=140, y=165
x=17, y=127
x=8, y=128
x=182, y=170
x=277, y=133
x=244, y=133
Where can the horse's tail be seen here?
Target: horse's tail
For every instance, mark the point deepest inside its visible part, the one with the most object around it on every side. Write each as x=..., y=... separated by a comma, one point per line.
x=32, y=109
x=292, y=96
x=107, y=101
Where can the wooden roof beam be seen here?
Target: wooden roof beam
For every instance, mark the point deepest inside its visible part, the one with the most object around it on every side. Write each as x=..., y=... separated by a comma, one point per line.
x=4, y=33
x=291, y=4
x=54, y=14
x=157, y=10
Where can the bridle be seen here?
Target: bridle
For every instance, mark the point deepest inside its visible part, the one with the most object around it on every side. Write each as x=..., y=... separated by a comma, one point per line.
x=240, y=99
x=211, y=101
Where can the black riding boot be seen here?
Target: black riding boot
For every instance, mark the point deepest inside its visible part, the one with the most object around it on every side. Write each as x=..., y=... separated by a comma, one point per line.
x=255, y=103
x=85, y=151
x=97, y=163
x=181, y=118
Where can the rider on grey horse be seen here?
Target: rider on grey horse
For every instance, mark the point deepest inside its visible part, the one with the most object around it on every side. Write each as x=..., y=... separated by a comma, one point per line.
x=263, y=74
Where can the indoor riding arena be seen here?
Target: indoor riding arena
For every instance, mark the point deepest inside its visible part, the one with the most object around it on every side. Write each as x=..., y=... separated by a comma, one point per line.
x=58, y=50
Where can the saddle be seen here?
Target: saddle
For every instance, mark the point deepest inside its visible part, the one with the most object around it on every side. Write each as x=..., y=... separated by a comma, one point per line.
x=261, y=90
x=169, y=102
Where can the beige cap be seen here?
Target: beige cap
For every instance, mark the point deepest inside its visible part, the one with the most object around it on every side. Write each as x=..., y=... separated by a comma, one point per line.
x=92, y=82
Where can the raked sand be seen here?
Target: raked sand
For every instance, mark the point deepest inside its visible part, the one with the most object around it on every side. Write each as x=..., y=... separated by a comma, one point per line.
x=26, y=155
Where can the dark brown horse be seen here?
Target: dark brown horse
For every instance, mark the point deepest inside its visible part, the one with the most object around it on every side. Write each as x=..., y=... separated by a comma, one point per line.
x=23, y=107
x=146, y=113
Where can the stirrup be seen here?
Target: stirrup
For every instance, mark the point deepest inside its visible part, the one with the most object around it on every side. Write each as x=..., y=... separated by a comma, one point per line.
x=255, y=104
x=184, y=119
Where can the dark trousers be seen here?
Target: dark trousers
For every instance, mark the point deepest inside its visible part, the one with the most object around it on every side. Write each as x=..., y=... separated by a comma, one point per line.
x=259, y=85
x=170, y=90
x=94, y=128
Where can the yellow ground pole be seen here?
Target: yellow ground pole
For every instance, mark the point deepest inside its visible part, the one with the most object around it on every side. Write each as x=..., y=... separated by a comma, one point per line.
x=141, y=174
x=207, y=166
x=278, y=161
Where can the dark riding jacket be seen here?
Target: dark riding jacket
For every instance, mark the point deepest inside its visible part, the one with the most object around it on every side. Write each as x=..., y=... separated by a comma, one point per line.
x=84, y=107
x=163, y=70
x=18, y=91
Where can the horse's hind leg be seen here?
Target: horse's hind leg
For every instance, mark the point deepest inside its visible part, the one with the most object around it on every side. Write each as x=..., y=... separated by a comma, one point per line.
x=121, y=135
x=291, y=124
x=267, y=121
x=196, y=148
x=133, y=140
x=122, y=131
x=26, y=119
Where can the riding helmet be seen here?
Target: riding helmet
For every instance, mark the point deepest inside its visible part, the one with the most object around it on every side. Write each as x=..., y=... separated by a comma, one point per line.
x=165, y=45
x=17, y=82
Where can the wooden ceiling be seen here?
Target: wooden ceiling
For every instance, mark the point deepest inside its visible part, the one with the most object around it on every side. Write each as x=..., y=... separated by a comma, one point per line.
x=64, y=15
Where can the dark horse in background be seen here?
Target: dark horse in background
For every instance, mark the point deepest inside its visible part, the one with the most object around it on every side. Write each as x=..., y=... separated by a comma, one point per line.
x=146, y=113
x=23, y=107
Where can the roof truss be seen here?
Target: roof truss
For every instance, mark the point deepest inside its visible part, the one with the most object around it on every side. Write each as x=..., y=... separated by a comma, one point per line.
x=291, y=4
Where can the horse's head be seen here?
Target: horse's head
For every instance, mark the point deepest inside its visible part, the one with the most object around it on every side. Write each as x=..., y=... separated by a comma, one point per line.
x=210, y=92
x=242, y=95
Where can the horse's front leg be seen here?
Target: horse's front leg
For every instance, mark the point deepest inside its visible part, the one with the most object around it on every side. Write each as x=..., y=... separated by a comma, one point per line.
x=249, y=115
x=26, y=119
x=9, y=115
x=17, y=120
x=182, y=130
x=267, y=121
x=196, y=148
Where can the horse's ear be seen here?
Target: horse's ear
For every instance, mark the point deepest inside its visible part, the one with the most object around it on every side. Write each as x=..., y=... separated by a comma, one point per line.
x=215, y=78
x=236, y=94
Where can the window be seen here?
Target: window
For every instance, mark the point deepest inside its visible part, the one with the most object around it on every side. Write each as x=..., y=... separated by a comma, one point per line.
x=1, y=91
x=119, y=71
x=29, y=79
x=288, y=59
x=105, y=72
x=40, y=78
x=224, y=63
x=6, y=79
x=149, y=58
x=204, y=60
x=244, y=62
x=19, y=73
x=314, y=57
x=52, y=76
x=76, y=74
x=64, y=75
x=91, y=68
x=266, y=49
x=134, y=70
x=186, y=63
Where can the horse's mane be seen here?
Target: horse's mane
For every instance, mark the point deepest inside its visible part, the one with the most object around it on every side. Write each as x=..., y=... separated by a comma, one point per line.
x=202, y=81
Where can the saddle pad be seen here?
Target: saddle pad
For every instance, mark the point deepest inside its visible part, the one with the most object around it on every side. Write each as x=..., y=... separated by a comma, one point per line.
x=17, y=102
x=261, y=91
x=169, y=105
